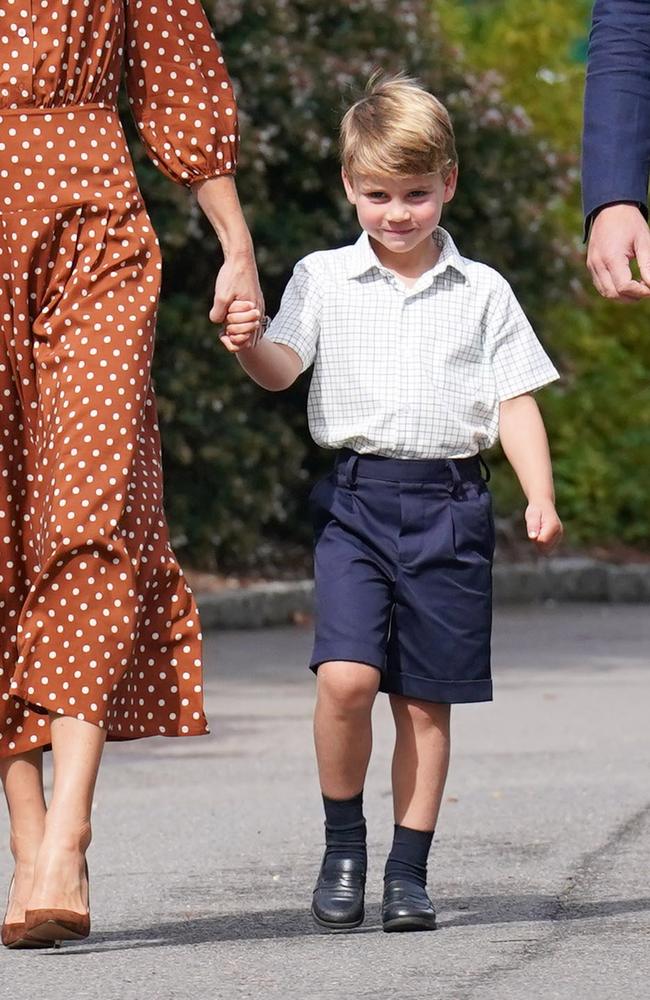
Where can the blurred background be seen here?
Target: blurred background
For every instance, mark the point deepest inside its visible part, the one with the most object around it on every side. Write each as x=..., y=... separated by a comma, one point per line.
x=238, y=460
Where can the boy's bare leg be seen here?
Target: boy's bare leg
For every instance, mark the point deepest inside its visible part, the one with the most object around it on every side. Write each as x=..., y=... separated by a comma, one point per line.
x=343, y=737
x=420, y=764
x=420, y=761
x=343, y=726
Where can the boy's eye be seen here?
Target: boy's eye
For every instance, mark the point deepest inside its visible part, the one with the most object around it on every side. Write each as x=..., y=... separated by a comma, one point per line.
x=418, y=194
x=375, y=194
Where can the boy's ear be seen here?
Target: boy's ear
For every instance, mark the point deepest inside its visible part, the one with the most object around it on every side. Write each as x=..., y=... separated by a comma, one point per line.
x=349, y=190
x=450, y=184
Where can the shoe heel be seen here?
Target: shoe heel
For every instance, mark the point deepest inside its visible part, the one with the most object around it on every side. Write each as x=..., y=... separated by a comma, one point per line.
x=55, y=926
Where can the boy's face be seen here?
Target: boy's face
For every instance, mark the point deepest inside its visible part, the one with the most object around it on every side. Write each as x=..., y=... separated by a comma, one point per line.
x=400, y=212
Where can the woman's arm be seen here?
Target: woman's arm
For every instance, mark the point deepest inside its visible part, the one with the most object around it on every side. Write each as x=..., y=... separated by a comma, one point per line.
x=525, y=444
x=185, y=110
x=238, y=277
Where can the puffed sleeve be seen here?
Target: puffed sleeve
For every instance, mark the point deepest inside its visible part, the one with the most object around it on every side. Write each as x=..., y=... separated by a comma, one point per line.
x=179, y=90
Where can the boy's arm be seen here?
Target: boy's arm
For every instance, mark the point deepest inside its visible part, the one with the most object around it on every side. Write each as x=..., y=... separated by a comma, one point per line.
x=525, y=444
x=273, y=366
x=290, y=346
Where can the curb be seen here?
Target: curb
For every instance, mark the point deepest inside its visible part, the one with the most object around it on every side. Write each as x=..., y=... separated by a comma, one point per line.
x=257, y=606
x=558, y=580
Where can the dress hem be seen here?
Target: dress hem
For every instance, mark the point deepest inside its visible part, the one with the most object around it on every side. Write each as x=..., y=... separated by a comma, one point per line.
x=196, y=728
x=46, y=745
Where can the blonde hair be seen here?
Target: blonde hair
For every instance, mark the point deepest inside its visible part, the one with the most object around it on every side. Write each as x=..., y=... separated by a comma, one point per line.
x=399, y=129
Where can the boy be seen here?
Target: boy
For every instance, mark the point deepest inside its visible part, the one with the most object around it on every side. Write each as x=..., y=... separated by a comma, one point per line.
x=420, y=357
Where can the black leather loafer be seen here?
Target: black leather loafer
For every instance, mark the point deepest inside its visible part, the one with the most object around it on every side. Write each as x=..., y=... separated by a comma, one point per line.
x=339, y=894
x=406, y=907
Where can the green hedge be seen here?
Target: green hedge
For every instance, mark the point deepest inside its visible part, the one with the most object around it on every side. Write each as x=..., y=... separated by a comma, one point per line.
x=237, y=459
x=599, y=415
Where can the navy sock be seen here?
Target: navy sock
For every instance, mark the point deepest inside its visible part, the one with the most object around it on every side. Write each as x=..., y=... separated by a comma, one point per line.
x=345, y=828
x=408, y=856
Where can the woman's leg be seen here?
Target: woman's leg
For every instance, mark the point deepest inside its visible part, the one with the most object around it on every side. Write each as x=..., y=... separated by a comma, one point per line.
x=22, y=780
x=59, y=880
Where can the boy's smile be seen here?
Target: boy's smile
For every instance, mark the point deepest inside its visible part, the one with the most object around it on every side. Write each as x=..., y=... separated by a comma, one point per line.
x=400, y=214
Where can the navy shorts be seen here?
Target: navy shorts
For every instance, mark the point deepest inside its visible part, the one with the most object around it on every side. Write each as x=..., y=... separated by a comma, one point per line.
x=403, y=573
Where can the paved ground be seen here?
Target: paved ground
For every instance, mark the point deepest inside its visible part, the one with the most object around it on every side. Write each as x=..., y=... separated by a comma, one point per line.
x=205, y=850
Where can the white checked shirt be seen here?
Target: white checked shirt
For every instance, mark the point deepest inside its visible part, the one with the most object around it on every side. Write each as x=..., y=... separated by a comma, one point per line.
x=403, y=372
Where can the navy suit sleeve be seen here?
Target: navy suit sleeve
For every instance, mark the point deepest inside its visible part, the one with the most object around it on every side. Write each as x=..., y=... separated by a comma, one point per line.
x=616, y=140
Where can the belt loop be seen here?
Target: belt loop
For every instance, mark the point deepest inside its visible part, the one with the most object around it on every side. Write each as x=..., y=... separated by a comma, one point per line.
x=348, y=473
x=351, y=471
x=456, y=481
x=485, y=467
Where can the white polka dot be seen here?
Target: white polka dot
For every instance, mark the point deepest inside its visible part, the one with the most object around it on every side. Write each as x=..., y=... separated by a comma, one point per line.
x=85, y=556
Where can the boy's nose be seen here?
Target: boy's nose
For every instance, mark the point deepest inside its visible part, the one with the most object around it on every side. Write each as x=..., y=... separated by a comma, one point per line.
x=398, y=213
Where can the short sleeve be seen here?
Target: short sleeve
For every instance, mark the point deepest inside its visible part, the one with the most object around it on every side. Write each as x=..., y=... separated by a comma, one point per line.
x=180, y=93
x=297, y=324
x=519, y=362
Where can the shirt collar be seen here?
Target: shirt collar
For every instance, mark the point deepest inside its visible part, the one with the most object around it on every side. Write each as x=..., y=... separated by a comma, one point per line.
x=363, y=258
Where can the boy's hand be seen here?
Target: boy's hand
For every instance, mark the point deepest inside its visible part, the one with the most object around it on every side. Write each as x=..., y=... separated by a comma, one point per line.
x=241, y=326
x=543, y=525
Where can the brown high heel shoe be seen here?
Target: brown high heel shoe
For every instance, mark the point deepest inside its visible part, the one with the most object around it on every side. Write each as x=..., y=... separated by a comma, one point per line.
x=14, y=936
x=55, y=925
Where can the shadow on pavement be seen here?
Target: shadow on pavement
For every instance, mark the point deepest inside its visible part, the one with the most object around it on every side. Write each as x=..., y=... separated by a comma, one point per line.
x=532, y=909
x=269, y=925
x=293, y=923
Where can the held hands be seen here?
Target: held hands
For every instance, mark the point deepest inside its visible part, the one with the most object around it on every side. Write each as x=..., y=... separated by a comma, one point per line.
x=543, y=525
x=237, y=281
x=619, y=234
x=242, y=326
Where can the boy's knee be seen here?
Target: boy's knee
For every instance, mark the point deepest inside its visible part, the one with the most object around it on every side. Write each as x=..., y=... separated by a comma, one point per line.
x=348, y=687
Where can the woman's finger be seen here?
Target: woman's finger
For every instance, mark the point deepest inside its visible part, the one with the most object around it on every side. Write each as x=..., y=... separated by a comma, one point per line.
x=242, y=305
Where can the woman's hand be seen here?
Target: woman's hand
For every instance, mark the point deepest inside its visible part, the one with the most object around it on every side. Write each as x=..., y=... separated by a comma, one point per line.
x=237, y=280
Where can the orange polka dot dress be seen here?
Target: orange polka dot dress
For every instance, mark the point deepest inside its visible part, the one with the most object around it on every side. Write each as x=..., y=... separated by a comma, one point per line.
x=96, y=618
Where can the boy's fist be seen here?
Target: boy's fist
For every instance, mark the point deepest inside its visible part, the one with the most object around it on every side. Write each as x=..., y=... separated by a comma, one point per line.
x=543, y=525
x=242, y=326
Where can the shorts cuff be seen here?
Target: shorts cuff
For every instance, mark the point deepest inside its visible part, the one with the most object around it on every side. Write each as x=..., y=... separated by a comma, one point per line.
x=444, y=692
x=352, y=652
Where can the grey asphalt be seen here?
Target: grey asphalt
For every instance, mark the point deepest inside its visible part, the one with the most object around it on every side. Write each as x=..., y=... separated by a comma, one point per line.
x=205, y=850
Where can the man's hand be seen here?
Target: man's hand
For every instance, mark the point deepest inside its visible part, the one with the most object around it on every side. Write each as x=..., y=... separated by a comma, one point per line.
x=619, y=234
x=543, y=525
